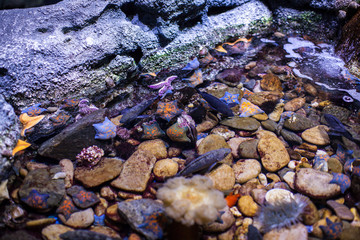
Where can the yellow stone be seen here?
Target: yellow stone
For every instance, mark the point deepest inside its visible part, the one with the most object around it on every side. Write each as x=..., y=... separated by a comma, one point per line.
x=247, y=206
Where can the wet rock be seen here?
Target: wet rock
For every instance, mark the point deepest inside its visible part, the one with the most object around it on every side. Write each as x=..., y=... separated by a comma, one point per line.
x=298, y=123
x=74, y=138
x=310, y=89
x=258, y=194
x=289, y=178
x=9, y=133
x=53, y=232
x=276, y=114
x=342, y=211
x=106, y=231
x=294, y=104
x=40, y=191
x=246, y=169
x=335, y=165
x=227, y=218
x=246, y=123
x=248, y=149
x=231, y=77
x=316, y=135
x=223, y=177
x=294, y=232
x=223, y=132
x=266, y=100
x=340, y=113
x=291, y=137
x=140, y=212
x=315, y=184
x=4, y=193
x=213, y=142
x=310, y=214
x=80, y=219
x=106, y=170
x=247, y=206
x=86, y=235
x=273, y=153
x=135, y=172
x=165, y=168
x=269, y=125
x=68, y=168
x=271, y=82
x=81, y=197
x=234, y=145
x=209, y=123
x=156, y=147
x=40, y=223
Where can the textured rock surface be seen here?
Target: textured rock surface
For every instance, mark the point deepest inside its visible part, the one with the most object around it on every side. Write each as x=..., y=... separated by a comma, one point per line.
x=72, y=47
x=9, y=132
x=273, y=153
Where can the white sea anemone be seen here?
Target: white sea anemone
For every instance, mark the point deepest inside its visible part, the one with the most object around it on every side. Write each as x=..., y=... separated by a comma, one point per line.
x=192, y=200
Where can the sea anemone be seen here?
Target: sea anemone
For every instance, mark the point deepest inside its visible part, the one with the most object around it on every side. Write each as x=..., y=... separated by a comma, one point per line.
x=282, y=213
x=192, y=200
x=89, y=156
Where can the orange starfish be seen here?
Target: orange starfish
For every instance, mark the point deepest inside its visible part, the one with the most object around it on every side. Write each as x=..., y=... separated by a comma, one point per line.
x=29, y=122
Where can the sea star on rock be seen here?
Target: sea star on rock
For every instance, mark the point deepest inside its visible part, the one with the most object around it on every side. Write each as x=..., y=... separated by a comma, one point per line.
x=168, y=110
x=105, y=130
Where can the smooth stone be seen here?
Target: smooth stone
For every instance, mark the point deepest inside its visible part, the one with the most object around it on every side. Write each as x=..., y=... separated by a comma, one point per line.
x=291, y=136
x=246, y=169
x=341, y=210
x=86, y=234
x=80, y=219
x=260, y=116
x=294, y=104
x=113, y=214
x=245, y=123
x=335, y=165
x=269, y=125
x=247, y=206
x=106, y=231
x=271, y=82
x=136, y=212
x=316, y=135
x=223, y=132
x=53, y=232
x=315, y=184
x=298, y=123
x=248, y=149
x=258, y=194
x=234, y=145
x=67, y=167
x=273, y=153
x=165, y=168
x=156, y=147
x=276, y=114
x=269, y=98
x=70, y=141
x=4, y=193
x=213, y=142
x=339, y=112
x=136, y=171
x=106, y=170
x=277, y=195
x=264, y=133
x=41, y=180
x=81, y=197
x=223, y=177
x=40, y=223
x=209, y=123
x=310, y=214
x=289, y=178
x=294, y=232
x=227, y=219
x=310, y=89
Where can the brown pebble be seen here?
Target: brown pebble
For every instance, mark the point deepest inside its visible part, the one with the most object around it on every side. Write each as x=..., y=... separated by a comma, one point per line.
x=40, y=222
x=341, y=210
x=23, y=172
x=247, y=206
x=113, y=214
x=108, y=193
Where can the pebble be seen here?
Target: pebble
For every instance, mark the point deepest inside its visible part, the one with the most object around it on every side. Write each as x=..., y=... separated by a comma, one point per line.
x=316, y=135
x=277, y=195
x=136, y=171
x=40, y=223
x=156, y=147
x=270, y=98
x=139, y=212
x=310, y=214
x=80, y=219
x=113, y=214
x=108, y=193
x=106, y=170
x=273, y=153
x=315, y=184
x=67, y=167
x=291, y=137
x=258, y=194
x=298, y=123
x=106, y=231
x=39, y=183
x=165, y=168
x=223, y=132
x=213, y=142
x=223, y=177
x=342, y=211
x=263, y=180
x=294, y=232
x=81, y=197
x=248, y=149
x=276, y=114
x=247, y=206
x=227, y=221
x=294, y=104
x=53, y=232
x=234, y=145
x=271, y=82
x=244, y=123
x=289, y=178
x=247, y=169
x=335, y=165
x=4, y=193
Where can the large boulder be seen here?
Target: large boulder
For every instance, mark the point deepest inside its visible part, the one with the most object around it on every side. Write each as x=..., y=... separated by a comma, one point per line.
x=75, y=47
x=9, y=133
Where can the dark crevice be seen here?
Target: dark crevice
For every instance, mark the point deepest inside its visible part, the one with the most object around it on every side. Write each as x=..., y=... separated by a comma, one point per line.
x=190, y=23
x=11, y=4
x=90, y=21
x=3, y=72
x=99, y=63
x=217, y=10
x=129, y=9
x=136, y=55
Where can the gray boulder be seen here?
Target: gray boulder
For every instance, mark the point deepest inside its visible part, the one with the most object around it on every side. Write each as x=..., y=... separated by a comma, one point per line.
x=9, y=133
x=75, y=47
x=65, y=49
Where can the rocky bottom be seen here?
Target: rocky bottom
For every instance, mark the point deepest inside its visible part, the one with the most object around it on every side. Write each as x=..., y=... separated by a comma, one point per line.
x=256, y=138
